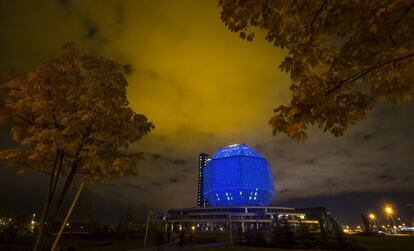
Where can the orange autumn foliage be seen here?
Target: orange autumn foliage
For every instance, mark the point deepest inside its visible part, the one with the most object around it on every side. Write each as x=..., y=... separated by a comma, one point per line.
x=73, y=110
x=343, y=57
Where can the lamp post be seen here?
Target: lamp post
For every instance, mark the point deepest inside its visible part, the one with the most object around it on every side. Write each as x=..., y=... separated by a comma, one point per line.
x=373, y=217
x=390, y=211
x=231, y=229
x=65, y=221
x=146, y=230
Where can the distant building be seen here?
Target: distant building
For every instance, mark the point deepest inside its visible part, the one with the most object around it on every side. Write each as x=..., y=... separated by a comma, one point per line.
x=237, y=175
x=235, y=189
x=202, y=162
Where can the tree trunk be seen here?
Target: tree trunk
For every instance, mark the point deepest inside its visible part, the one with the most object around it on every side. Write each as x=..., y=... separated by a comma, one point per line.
x=69, y=179
x=41, y=230
x=59, y=202
x=48, y=201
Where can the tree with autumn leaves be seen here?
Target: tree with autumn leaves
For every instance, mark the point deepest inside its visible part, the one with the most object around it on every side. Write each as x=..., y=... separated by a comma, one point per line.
x=70, y=117
x=343, y=57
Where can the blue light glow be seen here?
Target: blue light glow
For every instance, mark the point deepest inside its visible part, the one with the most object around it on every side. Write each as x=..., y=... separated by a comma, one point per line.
x=236, y=175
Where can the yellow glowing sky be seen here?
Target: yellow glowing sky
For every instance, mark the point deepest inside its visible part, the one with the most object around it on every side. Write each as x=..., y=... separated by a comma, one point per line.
x=190, y=74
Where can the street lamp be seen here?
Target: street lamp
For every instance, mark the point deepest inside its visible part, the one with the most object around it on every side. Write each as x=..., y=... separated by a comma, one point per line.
x=390, y=211
x=146, y=230
x=373, y=217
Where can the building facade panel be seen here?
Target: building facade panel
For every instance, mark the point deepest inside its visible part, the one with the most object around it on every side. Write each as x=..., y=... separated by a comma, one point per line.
x=238, y=176
x=202, y=162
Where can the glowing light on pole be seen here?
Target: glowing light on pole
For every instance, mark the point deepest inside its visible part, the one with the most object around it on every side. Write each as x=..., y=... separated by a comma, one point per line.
x=390, y=211
x=32, y=223
x=373, y=217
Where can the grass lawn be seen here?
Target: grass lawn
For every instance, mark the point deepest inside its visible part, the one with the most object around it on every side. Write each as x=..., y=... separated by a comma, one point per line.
x=241, y=248
x=386, y=243
x=93, y=244
x=371, y=243
x=109, y=244
x=116, y=243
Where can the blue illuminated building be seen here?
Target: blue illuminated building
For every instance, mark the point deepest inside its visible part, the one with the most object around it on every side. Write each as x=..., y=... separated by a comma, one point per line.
x=236, y=175
x=235, y=188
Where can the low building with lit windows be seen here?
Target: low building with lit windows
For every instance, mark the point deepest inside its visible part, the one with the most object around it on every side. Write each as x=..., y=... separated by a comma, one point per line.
x=239, y=218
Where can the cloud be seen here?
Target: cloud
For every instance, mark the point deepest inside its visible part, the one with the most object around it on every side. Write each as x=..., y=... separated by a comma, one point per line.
x=174, y=180
x=179, y=161
x=357, y=162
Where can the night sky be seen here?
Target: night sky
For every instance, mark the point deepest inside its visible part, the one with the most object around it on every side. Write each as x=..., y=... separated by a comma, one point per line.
x=203, y=87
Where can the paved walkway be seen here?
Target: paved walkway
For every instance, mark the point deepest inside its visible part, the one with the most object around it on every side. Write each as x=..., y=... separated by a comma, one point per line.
x=173, y=247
